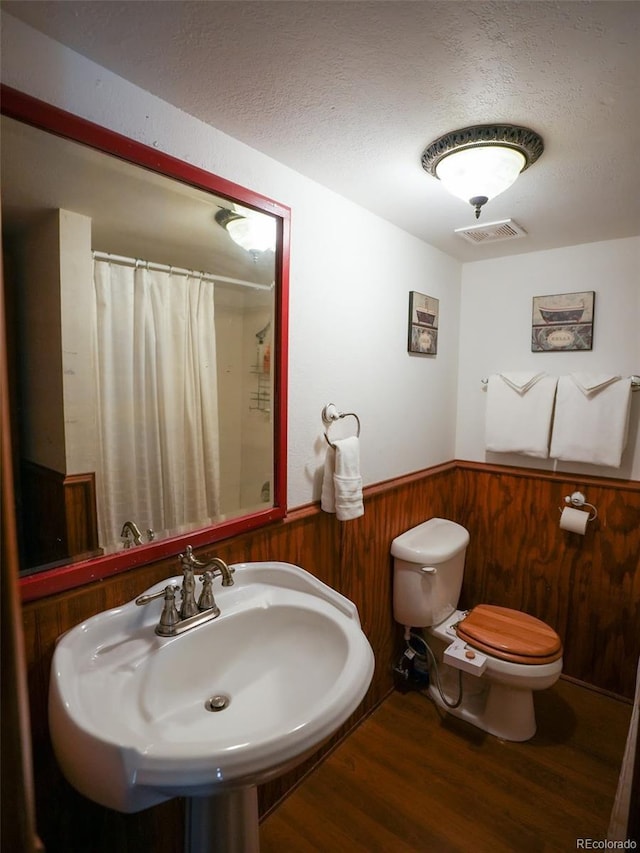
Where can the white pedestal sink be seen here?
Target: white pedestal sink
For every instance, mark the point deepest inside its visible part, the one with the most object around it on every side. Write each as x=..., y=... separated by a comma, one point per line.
x=137, y=719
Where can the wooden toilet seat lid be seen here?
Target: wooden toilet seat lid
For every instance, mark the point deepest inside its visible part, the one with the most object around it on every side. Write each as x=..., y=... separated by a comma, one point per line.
x=510, y=635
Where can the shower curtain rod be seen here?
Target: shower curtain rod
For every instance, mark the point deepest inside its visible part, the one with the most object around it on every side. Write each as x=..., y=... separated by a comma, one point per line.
x=150, y=265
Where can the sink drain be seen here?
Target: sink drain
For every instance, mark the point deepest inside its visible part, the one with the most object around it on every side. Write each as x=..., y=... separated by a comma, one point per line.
x=217, y=703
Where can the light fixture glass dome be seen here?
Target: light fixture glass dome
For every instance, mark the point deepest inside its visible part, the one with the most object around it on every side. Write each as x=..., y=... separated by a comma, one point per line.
x=255, y=233
x=478, y=163
x=483, y=171
x=253, y=230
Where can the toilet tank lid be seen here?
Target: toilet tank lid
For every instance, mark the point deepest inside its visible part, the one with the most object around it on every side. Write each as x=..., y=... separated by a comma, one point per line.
x=433, y=541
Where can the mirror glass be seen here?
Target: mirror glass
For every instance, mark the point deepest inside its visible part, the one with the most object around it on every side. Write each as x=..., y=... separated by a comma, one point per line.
x=145, y=331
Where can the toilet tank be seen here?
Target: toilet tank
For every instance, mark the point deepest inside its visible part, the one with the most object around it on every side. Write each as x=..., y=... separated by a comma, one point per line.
x=428, y=565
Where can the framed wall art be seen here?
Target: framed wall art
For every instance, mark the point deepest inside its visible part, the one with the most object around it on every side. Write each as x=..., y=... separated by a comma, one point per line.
x=563, y=322
x=423, y=323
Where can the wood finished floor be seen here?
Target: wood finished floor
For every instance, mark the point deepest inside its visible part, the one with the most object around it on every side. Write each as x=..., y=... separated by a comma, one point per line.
x=411, y=779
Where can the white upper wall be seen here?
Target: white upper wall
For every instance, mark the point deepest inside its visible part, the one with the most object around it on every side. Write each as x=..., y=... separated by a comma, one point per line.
x=351, y=274
x=495, y=335
x=78, y=335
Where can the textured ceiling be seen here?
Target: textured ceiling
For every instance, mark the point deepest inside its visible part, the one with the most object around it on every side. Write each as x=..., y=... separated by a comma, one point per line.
x=350, y=93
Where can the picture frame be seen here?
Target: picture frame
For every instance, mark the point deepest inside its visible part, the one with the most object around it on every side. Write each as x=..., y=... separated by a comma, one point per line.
x=423, y=323
x=563, y=322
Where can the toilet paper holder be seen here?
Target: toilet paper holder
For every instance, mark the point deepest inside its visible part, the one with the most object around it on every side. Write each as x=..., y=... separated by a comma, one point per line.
x=578, y=500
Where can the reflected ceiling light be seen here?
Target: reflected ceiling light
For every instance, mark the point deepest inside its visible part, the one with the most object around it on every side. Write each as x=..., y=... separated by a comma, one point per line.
x=252, y=230
x=477, y=163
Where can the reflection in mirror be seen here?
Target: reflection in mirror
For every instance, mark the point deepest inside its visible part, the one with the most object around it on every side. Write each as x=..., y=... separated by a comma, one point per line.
x=144, y=315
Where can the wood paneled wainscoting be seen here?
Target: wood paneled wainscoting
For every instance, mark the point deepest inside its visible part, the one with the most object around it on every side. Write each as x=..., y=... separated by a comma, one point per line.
x=58, y=515
x=588, y=590
x=586, y=587
x=353, y=557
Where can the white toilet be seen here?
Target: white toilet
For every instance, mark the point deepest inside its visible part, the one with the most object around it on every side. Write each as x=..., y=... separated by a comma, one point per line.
x=495, y=655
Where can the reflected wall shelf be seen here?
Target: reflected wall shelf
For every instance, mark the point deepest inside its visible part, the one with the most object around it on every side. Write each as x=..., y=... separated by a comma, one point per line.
x=260, y=399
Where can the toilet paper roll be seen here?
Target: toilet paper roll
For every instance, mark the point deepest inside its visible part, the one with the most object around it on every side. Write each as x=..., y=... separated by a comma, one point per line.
x=574, y=520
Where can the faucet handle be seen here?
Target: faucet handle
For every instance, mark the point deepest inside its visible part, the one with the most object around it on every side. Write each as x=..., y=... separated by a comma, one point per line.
x=188, y=606
x=206, y=600
x=145, y=599
x=169, y=617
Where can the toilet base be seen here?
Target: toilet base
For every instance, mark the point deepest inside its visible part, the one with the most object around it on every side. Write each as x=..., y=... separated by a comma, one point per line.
x=491, y=701
x=502, y=711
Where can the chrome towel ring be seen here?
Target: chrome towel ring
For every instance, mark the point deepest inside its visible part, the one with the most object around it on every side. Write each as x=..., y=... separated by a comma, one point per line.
x=330, y=414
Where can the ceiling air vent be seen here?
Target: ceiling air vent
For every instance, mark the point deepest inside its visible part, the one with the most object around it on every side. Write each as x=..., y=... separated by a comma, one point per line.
x=491, y=232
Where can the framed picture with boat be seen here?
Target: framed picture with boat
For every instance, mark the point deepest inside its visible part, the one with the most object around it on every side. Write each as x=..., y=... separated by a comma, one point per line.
x=563, y=322
x=423, y=323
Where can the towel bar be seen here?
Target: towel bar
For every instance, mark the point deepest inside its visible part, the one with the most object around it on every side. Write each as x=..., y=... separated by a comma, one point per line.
x=330, y=414
x=635, y=382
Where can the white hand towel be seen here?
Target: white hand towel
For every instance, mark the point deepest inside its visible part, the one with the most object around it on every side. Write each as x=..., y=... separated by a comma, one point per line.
x=347, y=480
x=328, y=494
x=522, y=382
x=518, y=414
x=592, y=419
x=589, y=383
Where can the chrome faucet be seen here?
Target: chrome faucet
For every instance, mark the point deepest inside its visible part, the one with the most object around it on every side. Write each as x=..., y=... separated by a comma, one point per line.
x=129, y=529
x=192, y=612
x=221, y=569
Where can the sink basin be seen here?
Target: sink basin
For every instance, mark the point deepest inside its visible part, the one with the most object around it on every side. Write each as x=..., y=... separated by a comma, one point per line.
x=132, y=714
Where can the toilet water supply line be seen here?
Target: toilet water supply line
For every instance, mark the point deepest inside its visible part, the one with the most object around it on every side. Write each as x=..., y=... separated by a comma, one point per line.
x=429, y=655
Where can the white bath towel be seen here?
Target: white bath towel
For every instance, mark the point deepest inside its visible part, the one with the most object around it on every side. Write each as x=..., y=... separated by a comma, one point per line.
x=589, y=383
x=328, y=494
x=342, y=483
x=592, y=418
x=521, y=381
x=518, y=413
x=347, y=480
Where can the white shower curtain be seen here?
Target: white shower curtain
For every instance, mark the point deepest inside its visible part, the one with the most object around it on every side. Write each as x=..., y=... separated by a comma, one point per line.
x=157, y=393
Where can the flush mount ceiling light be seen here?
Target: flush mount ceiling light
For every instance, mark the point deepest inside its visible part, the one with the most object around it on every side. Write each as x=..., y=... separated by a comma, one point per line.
x=253, y=231
x=477, y=163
